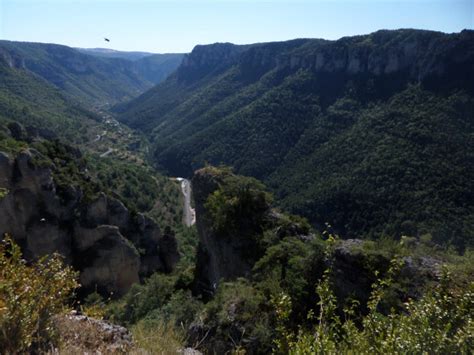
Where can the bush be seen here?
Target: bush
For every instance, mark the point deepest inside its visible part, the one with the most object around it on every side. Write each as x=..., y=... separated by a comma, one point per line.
x=30, y=295
x=238, y=205
x=238, y=317
x=142, y=299
x=441, y=322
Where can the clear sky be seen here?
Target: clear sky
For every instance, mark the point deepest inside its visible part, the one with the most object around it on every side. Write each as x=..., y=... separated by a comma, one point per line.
x=177, y=26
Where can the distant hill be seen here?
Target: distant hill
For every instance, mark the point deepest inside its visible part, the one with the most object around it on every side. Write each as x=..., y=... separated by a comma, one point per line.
x=100, y=81
x=372, y=134
x=33, y=111
x=152, y=66
x=33, y=102
x=111, y=53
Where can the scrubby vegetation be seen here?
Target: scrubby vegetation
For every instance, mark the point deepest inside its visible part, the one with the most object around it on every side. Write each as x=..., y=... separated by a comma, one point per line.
x=30, y=297
x=141, y=188
x=137, y=185
x=238, y=199
x=277, y=311
x=441, y=322
x=371, y=296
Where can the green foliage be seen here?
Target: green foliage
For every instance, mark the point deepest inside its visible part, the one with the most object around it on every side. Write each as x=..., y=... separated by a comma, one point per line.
x=140, y=187
x=239, y=204
x=69, y=168
x=143, y=298
x=3, y=192
x=31, y=101
x=293, y=267
x=10, y=145
x=180, y=310
x=30, y=297
x=440, y=322
x=231, y=316
x=372, y=154
x=187, y=238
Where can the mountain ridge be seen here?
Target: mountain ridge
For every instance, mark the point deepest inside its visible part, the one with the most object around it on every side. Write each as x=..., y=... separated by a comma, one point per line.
x=90, y=79
x=267, y=109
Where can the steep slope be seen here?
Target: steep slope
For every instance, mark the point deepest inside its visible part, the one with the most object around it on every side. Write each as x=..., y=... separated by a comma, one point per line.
x=101, y=81
x=152, y=66
x=157, y=67
x=50, y=204
x=32, y=109
x=361, y=132
x=30, y=100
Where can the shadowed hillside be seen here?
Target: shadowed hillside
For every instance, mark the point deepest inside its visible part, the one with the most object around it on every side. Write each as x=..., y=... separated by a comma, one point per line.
x=99, y=80
x=369, y=133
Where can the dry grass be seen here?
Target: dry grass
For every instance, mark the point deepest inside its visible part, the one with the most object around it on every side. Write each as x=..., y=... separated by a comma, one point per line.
x=81, y=334
x=156, y=337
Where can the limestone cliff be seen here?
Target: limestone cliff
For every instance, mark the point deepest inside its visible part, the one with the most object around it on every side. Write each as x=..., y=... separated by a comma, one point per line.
x=413, y=55
x=232, y=213
x=232, y=240
x=99, y=238
x=219, y=256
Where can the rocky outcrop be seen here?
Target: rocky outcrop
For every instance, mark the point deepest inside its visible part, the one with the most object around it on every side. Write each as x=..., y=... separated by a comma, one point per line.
x=416, y=55
x=413, y=55
x=353, y=271
x=204, y=60
x=230, y=251
x=219, y=256
x=110, y=247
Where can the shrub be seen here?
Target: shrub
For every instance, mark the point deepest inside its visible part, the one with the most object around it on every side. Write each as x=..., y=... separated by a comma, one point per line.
x=238, y=205
x=3, y=192
x=441, y=322
x=30, y=295
x=142, y=299
x=238, y=316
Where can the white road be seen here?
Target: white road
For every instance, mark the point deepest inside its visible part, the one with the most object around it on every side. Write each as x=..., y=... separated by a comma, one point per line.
x=110, y=150
x=188, y=212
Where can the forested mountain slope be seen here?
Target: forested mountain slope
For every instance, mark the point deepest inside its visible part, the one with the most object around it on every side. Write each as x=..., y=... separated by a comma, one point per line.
x=372, y=134
x=155, y=67
x=32, y=109
x=91, y=79
x=31, y=101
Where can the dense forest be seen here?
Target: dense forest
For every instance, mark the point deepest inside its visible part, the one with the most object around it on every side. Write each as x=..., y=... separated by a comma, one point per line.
x=372, y=134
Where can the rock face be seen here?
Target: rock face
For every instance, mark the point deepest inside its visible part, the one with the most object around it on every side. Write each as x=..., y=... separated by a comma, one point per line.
x=218, y=257
x=221, y=256
x=100, y=238
x=353, y=271
x=412, y=55
x=229, y=254
x=208, y=59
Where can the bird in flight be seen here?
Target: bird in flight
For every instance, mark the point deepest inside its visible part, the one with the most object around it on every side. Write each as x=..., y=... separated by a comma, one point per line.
x=106, y=39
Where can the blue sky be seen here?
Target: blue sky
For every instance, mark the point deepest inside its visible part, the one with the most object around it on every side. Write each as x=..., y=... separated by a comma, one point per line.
x=177, y=26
